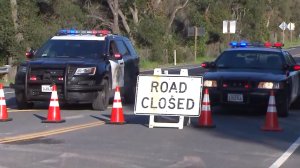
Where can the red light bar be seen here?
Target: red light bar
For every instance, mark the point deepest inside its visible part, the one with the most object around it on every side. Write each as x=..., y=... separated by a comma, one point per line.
x=94, y=32
x=278, y=45
x=104, y=32
x=268, y=44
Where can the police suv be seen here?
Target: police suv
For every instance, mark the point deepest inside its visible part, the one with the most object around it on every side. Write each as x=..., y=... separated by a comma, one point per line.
x=243, y=76
x=86, y=67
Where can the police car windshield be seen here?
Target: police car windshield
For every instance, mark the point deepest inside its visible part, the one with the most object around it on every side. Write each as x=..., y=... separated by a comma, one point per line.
x=250, y=59
x=71, y=49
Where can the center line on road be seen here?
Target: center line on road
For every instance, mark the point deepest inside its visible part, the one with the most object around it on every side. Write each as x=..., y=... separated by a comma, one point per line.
x=48, y=133
x=286, y=154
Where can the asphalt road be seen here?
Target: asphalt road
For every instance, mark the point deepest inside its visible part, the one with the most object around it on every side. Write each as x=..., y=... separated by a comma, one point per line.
x=84, y=140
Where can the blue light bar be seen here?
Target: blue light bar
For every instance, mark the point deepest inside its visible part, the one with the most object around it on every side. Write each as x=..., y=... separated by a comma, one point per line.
x=81, y=32
x=243, y=44
x=233, y=44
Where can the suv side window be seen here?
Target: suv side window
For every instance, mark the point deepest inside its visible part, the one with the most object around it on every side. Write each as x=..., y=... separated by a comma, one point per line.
x=122, y=48
x=289, y=59
x=112, y=48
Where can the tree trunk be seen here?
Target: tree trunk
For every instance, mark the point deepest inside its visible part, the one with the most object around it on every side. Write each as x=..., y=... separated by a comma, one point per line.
x=176, y=9
x=114, y=7
x=14, y=14
x=134, y=12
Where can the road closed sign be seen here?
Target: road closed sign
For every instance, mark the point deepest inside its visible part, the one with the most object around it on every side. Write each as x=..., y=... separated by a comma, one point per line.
x=168, y=95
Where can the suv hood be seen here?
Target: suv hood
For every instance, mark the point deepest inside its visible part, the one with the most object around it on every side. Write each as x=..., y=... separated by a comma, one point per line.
x=245, y=74
x=61, y=61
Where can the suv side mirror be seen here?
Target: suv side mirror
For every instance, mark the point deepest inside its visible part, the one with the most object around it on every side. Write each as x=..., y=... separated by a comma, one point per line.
x=207, y=65
x=296, y=67
x=291, y=68
x=117, y=56
x=29, y=54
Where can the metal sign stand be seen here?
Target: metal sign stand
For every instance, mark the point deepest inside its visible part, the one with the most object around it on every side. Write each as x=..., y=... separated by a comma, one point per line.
x=180, y=123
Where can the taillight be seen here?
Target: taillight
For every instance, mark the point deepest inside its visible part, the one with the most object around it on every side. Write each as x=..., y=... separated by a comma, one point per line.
x=33, y=78
x=225, y=85
x=60, y=78
x=247, y=86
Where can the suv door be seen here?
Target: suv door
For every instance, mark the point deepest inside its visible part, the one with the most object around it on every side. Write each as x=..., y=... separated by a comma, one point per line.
x=295, y=76
x=130, y=70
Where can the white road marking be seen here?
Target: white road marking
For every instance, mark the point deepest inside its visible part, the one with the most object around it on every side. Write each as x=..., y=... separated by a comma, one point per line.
x=279, y=162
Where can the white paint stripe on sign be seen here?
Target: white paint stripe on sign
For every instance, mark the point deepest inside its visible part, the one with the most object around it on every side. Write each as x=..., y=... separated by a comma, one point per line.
x=279, y=162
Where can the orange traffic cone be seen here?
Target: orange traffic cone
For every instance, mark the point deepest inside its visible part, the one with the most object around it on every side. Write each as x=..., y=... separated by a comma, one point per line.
x=117, y=116
x=3, y=109
x=271, y=123
x=53, y=110
x=205, y=119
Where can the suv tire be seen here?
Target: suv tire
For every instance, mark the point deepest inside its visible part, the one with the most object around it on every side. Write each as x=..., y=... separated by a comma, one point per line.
x=130, y=95
x=102, y=99
x=21, y=103
x=283, y=108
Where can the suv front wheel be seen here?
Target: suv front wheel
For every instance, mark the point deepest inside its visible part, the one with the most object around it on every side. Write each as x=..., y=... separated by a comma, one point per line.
x=283, y=108
x=102, y=99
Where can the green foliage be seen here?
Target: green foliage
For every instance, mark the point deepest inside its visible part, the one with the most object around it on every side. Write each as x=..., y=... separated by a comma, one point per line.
x=6, y=32
x=257, y=20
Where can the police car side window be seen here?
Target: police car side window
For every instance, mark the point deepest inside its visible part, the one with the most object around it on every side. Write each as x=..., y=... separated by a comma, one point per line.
x=288, y=58
x=122, y=48
x=113, y=48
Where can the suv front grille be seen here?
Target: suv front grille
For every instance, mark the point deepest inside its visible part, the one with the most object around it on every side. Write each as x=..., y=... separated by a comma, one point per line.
x=236, y=84
x=39, y=76
x=44, y=75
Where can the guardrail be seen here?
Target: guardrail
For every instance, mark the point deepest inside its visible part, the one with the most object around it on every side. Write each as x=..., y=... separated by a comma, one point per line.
x=4, y=69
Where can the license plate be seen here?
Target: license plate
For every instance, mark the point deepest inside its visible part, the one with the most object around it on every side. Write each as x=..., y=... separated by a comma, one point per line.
x=235, y=97
x=46, y=88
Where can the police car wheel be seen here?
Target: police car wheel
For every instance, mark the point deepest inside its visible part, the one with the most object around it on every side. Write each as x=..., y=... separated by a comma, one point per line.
x=283, y=108
x=21, y=103
x=101, y=101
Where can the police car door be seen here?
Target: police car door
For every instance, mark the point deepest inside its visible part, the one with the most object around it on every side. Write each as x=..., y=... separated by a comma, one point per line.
x=129, y=64
x=117, y=65
x=295, y=75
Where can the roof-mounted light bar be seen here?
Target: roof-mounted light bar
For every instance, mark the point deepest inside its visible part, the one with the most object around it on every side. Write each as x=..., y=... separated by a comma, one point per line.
x=242, y=44
x=235, y=44
x=83, y=32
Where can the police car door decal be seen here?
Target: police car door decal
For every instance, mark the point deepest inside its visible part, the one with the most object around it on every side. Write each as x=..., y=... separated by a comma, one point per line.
x=117, y=73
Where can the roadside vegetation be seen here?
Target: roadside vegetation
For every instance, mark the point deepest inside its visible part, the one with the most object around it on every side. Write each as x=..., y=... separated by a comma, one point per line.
x=157, y=27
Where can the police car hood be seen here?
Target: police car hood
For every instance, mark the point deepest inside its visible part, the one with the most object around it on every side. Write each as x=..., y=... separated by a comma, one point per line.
x=61, y=61
x=245, y=74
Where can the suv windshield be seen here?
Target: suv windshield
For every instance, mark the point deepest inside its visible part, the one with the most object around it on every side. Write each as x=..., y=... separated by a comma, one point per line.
x=250, y=59
x=71, y=49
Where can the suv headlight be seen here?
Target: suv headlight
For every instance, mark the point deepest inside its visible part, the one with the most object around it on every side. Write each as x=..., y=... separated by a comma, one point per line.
x=85, y=71
x=210, y=83
x=269, y=85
